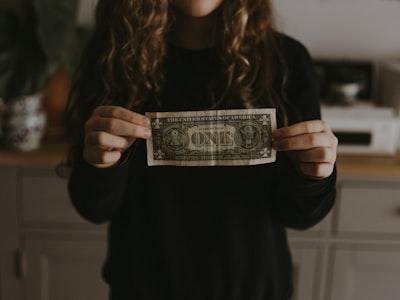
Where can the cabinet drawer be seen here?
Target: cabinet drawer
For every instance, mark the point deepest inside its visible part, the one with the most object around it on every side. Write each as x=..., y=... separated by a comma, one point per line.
x=369, y=208
x=45, y=198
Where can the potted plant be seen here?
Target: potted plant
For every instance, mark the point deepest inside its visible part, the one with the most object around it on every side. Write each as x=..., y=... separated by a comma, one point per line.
x=37, y=47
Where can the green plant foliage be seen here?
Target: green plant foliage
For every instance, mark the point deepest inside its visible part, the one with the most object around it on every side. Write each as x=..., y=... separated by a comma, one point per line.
x=56, y=26
x=44, y=38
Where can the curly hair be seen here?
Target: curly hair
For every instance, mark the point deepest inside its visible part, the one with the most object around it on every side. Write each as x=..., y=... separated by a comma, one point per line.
x=253, y=63
x=123, y=62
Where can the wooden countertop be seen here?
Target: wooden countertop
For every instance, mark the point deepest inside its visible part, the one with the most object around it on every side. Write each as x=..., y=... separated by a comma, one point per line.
x=53, y=152
x=369, y=166
x=50, y=153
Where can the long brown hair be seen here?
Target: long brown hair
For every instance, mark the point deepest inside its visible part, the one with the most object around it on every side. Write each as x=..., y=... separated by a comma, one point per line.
x=123, y=62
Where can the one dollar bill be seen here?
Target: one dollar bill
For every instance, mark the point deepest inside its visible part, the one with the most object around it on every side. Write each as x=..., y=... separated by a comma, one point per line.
x=212, y=138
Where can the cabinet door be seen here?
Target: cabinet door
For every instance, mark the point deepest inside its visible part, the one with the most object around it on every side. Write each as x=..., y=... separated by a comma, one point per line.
x=9, y=238
x=362, y=274
x=64, y=270
x=306, y=273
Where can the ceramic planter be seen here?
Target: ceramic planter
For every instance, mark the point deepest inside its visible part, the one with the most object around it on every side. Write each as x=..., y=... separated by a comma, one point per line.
x=24, y=123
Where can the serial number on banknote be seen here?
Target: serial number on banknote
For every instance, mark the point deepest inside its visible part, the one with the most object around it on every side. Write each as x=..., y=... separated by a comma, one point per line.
x=212, y=138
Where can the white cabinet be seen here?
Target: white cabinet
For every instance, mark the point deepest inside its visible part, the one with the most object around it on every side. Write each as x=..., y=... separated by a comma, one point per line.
x=63, y=253
x=362, y=272
x=9, y=235
x=354, y=254
x=60, y=268
x=369, y=207
x=364, y=255
x=306, y=271
x=48, y=252
x=45, y=199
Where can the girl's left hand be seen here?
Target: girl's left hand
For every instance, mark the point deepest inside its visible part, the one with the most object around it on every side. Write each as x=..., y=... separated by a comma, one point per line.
x=311, y=145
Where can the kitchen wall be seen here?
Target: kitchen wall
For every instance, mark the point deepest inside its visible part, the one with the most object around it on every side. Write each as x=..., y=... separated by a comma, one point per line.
x=344, y=29
x=86, y=12
x=334, y=29
x=361, y=29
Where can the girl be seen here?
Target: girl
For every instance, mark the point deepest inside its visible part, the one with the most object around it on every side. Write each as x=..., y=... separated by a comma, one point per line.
x=196, y=232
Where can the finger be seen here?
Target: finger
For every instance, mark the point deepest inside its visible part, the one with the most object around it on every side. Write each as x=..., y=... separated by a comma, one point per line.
x=305, y=141
x=117, y=127
x=118, y=112
x=107, y=141
x=317, y=155
x=101, y=158
x=305, y=127
x=316, y=170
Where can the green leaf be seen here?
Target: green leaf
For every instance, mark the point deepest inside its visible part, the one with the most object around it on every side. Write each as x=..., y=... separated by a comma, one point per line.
x=56, y=24
x=71, y=55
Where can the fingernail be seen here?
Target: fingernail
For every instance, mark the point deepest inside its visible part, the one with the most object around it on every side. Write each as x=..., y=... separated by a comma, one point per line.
x=147, y=132
x=146, y=122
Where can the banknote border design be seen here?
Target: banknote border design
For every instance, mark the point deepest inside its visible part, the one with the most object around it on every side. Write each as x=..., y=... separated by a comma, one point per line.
x=151, y=161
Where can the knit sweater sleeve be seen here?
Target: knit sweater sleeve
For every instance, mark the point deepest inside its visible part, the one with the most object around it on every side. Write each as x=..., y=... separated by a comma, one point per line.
x=301, y=202
x=97, y=193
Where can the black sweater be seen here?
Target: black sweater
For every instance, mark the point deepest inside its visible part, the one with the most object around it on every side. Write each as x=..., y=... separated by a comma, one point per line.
x=204, y=233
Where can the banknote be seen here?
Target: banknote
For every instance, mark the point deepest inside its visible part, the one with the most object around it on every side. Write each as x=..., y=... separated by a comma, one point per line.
x=212, y=138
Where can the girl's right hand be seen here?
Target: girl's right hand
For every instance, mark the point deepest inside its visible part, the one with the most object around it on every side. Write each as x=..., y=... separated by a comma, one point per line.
x=109, y=132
